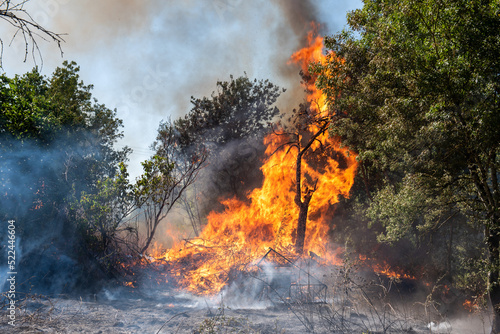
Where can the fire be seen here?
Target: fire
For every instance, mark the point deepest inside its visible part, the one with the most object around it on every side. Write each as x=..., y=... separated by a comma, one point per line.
x=304, y=57
x=239, y=236
x=129, y=284
x=471, y=306
x=37, y=202
x=385, y=269
x=243, y=232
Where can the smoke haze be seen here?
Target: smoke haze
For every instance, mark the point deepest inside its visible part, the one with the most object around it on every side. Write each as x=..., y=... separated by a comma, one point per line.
x=146, y=58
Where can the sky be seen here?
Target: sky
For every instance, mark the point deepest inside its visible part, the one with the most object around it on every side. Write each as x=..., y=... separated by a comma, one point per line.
x=146, y=58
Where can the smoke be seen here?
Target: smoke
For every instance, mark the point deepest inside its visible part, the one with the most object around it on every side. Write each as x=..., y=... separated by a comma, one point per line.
x=146, y=58
x=36, y=192
x=299, y=16
x=234, y=170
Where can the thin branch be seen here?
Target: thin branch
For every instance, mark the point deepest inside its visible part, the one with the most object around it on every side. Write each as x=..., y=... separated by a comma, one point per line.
x=29, y=29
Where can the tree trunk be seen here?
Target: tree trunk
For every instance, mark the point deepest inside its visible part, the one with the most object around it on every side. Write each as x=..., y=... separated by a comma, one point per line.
x=303, y=205
x=302, y=223
x=301, y=230
x=155, y=220
x=494, y=274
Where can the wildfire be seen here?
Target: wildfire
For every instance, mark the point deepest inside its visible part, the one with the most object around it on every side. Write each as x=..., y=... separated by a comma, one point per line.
x=471, y=306
x=313, y=53
x=385, y=269
x=239, y=236
x=129, y=284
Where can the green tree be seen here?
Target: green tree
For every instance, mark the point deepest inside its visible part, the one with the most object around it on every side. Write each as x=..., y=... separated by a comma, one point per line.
x=230, y=125
x=56, y=144
x=417, y=96
x=240, y=108
x=102, y=221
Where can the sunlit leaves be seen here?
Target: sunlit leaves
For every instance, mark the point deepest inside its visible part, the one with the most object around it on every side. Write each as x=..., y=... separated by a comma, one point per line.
x=417, y=98
x=155, y=180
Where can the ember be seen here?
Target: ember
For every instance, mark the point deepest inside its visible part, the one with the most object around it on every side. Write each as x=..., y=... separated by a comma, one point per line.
x=471, y=306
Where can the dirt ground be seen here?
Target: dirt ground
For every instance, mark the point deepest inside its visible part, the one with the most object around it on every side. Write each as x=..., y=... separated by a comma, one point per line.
x=165, y=312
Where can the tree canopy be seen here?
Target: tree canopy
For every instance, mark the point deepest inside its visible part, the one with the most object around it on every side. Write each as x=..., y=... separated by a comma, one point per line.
x=230, y=125
x=56, y=144
x=417, y=96
x=240, y=108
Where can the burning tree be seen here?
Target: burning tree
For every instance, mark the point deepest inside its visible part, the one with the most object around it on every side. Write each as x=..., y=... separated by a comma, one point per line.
x=267, y=218
x=306, y=131
x=305, y=186
x=230, y=124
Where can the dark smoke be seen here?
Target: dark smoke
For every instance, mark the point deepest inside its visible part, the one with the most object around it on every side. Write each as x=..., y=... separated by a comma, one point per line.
x=299, y=17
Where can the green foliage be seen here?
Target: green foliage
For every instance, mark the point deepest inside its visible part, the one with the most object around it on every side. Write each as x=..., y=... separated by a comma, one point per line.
x=472, y=274
x=156, y=178
x=166, y=177
x=414, y=86
x=230, y=126
x=424, y=83
x=416, y=94
x=407, y=209
x=50, y=113
x=100, y=214
x=59, y=170
x=240, y=108
x=26, y=107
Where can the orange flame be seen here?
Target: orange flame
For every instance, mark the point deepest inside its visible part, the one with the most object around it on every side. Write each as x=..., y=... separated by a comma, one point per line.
x=382, y=267
x=129, y=284
x=313, y=53
x=471, y=306
x=240, y=235
x=385, y=269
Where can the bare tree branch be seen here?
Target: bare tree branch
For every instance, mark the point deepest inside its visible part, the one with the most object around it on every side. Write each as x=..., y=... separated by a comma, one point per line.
x=166, y=178
x=24, y=24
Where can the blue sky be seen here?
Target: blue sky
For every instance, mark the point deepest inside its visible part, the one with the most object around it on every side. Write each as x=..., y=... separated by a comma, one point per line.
x=147, y=58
